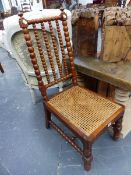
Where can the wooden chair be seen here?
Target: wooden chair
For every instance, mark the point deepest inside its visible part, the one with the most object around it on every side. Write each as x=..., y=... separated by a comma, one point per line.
x=84, y=112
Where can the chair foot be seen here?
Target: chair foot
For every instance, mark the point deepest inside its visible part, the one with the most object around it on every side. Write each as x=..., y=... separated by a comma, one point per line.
x=117, y=127
x=33, y=95
x=47, y=117
x=60, y=87
x=1, y=68
x=87, y=155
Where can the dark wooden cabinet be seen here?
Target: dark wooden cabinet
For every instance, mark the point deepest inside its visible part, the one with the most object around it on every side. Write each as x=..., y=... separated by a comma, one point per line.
x=85, y=33
x=52, y=4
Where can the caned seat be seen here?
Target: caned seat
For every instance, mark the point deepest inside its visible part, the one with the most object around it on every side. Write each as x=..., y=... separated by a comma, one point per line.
x=84, y=112
x=84, y=109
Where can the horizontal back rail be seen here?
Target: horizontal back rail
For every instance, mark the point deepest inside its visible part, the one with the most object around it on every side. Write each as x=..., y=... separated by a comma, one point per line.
x=63, y=78
x=41, y=20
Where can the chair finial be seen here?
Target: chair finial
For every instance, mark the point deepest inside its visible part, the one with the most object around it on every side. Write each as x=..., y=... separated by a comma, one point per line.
x=62, y=9
x=63, y=14
x=22, y=21
x=20, y=14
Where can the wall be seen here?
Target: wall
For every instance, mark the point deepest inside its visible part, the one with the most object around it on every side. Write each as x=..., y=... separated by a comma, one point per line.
x=13, y=3
x=84, y=2
x=1, y=6
x=36, y=6
x=6, y=5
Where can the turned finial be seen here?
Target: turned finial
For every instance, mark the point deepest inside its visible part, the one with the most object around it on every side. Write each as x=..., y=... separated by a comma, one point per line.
x=62, y=9
x=20, y=14
x=63, y=14
x=22, y=21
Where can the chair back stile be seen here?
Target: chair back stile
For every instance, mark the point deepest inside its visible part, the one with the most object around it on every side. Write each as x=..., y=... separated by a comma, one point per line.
x=62, y=73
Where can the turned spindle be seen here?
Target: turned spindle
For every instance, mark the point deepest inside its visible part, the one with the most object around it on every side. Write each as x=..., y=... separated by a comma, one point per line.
x=55, y=49
x=41, y=53
x=61, y=47
x=48, y=50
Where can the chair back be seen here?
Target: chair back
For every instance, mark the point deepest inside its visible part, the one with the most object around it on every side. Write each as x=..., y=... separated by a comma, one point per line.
x=58, y=58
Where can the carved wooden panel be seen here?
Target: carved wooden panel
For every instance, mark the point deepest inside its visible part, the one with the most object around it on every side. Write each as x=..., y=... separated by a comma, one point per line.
x=116, y=44
x=111, y=3
x=52, y=4
x=85, y=37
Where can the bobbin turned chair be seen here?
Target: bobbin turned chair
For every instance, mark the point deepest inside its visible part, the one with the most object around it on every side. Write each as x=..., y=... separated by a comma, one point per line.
x=84, y=112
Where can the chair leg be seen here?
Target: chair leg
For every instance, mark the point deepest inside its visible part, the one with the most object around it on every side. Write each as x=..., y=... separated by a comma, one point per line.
x=87, y=155
x=60, y=87
x=47, y=117
x=1, y=68
x=117, y=127
x=33, y=95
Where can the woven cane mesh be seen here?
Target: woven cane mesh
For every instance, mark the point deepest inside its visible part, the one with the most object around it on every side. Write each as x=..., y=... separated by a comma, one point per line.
x=84, y=109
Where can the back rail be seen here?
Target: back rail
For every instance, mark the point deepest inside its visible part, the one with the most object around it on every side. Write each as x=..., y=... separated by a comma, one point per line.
x=63, y=78
x=43, y=20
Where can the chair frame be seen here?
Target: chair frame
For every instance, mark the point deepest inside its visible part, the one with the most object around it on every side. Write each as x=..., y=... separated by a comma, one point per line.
x=116, y=121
